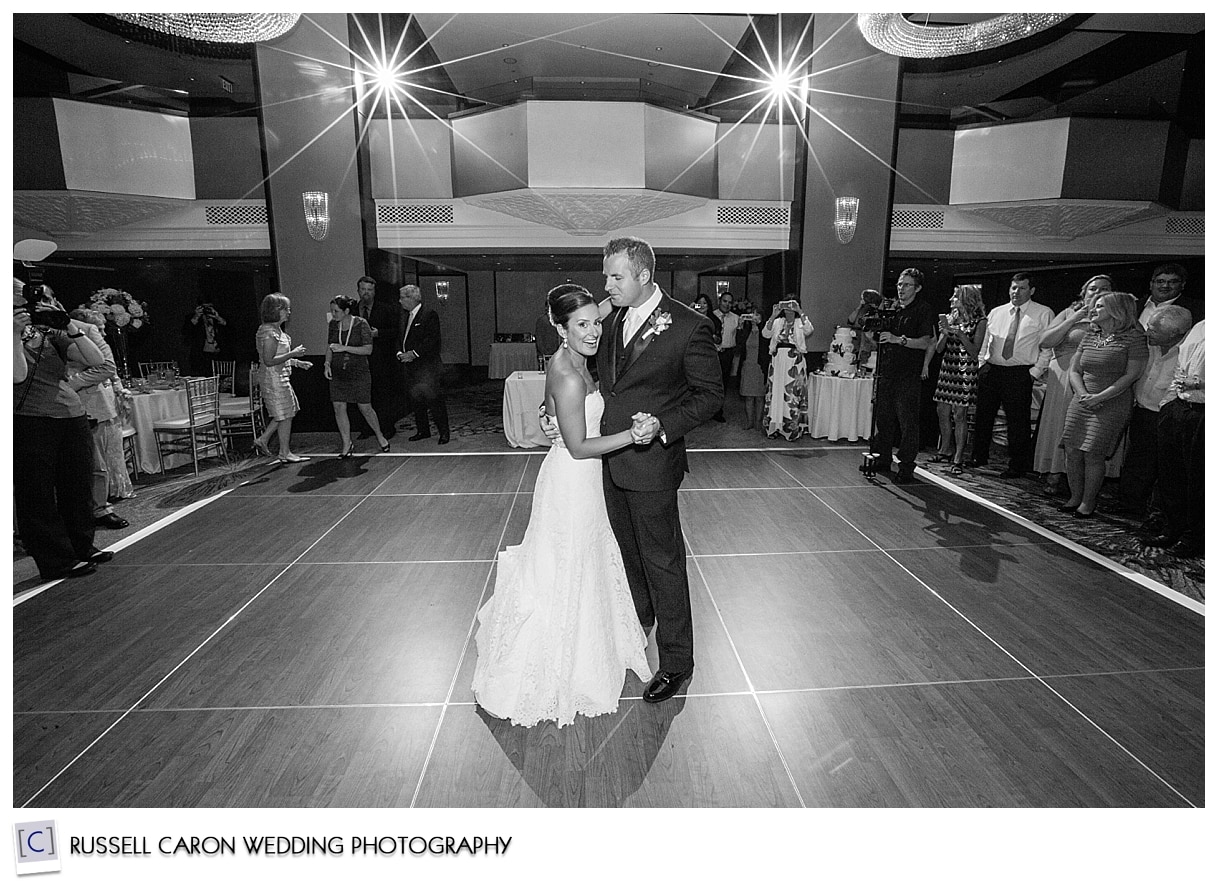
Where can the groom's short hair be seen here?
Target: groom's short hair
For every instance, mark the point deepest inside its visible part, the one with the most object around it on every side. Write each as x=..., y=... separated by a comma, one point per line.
x=637, y=251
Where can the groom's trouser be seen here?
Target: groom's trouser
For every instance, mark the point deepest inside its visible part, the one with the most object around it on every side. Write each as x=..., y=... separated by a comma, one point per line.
x=647, y=525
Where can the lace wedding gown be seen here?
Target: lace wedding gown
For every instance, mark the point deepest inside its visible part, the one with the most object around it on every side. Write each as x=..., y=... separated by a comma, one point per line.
x=560, y=631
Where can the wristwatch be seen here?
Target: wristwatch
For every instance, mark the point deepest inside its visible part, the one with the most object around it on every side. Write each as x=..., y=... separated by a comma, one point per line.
x=904, y=340
x=76, y=336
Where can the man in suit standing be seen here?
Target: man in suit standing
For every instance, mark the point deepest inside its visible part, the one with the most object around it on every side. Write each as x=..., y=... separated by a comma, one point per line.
x=386, y=392
x=657, y=357
x=420, y=353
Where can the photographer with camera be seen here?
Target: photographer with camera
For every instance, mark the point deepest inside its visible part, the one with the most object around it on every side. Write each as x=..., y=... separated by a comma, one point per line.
x=204, y=337
x=904, y=328
x=52, y=446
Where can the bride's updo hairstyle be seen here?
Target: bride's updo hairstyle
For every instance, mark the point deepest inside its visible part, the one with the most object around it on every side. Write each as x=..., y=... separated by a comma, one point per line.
x=565, y=299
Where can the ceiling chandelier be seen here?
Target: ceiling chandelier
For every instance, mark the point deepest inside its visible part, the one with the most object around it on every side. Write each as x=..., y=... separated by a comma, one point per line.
x=895, y=34
x=215, y=27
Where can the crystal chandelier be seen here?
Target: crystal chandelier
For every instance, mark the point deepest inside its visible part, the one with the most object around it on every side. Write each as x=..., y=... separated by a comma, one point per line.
x=895, y=34
x=215, y=27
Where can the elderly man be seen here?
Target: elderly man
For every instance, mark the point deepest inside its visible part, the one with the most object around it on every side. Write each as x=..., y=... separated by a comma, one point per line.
x=1164, y=334
x=419, y=351
x=1010, y=348
x=1182, y=451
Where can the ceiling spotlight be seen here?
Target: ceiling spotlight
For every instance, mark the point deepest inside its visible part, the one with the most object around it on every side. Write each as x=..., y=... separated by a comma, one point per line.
x=385, y=78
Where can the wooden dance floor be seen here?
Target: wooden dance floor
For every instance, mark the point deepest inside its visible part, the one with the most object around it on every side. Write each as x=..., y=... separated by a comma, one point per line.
x=306, y=640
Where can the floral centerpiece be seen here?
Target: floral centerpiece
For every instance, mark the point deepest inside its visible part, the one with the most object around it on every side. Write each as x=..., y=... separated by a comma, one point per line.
x=123, y=314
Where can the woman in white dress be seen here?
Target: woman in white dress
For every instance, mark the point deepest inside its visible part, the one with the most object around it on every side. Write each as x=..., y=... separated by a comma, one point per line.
x=560, y=631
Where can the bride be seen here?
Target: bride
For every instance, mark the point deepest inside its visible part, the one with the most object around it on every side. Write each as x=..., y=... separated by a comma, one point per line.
x=560, y=631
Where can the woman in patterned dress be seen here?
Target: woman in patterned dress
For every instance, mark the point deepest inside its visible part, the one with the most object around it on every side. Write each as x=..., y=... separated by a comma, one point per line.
x=1060, y=340
x=961, y=332
x=1108, y=362
x=786, y=393
x=277, y=358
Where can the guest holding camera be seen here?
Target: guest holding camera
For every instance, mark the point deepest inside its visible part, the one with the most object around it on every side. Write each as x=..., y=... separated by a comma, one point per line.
x=786, y=394
x=903, y=332
x=52, y=448
x=204, y=337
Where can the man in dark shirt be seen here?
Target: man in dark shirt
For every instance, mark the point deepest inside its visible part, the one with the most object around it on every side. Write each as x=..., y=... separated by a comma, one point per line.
x=906, y=332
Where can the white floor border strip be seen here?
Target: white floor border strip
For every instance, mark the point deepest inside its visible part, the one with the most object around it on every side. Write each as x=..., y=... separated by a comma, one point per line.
x=1138, y=578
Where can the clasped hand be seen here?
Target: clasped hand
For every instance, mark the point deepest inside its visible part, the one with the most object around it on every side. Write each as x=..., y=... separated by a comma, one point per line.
x=407, y=357
x=644, y=428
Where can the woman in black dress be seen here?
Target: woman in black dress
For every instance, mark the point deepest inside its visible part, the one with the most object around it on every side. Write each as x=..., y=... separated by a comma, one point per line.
x=350, y=344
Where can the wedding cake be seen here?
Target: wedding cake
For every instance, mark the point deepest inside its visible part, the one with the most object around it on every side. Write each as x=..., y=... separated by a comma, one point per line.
x=843, y=357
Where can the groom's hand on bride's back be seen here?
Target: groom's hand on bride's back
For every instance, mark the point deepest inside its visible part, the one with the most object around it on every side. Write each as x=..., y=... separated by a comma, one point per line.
x=549, y=425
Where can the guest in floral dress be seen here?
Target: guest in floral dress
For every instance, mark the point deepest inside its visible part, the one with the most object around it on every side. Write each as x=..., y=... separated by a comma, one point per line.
x=786, y=394
x=277, y=357
x=1110, y=359
x=961, y=333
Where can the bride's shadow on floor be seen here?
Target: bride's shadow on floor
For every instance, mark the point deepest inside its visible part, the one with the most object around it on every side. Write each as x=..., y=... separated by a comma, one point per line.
x=595, y=761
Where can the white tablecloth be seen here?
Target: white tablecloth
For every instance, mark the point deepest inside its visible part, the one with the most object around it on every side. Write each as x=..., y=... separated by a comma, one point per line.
x=839, y=407
x=509, y=357
x=522, y=392
x=145, y=410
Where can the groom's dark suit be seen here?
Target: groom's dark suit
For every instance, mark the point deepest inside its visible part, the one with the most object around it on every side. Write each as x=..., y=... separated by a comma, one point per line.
x=675, y=376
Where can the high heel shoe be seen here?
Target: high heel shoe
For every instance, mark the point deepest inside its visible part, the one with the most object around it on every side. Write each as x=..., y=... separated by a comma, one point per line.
x=1067, y=508
x=385, y=447
x=346, y=454
x=259, y=448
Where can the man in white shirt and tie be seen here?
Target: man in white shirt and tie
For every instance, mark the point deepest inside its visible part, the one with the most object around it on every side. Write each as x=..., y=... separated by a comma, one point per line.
x=1166, y=330
x=1010, y=348
x=1182, y=451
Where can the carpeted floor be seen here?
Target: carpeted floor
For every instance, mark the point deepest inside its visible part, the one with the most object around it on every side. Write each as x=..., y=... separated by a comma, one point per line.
x=475, y=418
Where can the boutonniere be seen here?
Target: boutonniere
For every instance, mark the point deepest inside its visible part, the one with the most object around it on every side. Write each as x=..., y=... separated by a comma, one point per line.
x=657, y=324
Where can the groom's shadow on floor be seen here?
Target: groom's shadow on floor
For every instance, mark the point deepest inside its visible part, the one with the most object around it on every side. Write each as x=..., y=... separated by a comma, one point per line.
x=594, y=762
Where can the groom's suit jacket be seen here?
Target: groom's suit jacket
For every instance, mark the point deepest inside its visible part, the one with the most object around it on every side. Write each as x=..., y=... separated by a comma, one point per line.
x=673, y=375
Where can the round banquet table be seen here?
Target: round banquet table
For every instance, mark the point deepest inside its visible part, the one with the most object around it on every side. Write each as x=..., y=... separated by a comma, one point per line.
x=522, y=392
x=839, y=407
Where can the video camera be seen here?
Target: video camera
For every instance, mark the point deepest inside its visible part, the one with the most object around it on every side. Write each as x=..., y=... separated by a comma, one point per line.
x=29, y=252
x=881, y=318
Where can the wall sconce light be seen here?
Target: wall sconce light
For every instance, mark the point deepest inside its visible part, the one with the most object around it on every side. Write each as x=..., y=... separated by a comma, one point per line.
x=317, y=213
x=441, y=291
x=845, y=218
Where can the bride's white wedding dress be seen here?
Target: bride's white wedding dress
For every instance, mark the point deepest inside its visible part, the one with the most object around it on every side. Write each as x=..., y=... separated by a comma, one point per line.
x=560, y=631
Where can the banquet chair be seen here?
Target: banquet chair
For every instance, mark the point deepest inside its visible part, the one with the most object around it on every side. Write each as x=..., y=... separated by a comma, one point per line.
x=227, y=372
x=150, y=369
x=131, y=450
x=197, y=433
x=244, y=416
x=543, y=362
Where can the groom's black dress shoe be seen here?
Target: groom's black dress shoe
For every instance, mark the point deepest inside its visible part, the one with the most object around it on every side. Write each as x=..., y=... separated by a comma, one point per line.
x=664, y=685
x=419, y=436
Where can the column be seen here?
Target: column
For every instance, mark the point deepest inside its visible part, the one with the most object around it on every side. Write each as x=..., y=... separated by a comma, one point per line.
x=861, y=91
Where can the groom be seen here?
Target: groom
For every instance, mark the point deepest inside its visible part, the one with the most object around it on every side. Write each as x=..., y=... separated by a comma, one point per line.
x=656, y=356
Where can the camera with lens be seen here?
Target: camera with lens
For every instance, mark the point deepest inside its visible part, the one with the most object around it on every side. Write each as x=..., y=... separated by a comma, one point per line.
x=881, y=318
x=43, y=315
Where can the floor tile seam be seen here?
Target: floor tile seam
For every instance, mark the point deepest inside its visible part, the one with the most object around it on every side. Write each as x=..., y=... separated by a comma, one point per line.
x=312, y=494
x=469, y=633
x=876, y=549
x=748, y=682
x=1140, y=579
x=192, y=653
x=777, y=487
x=1011, y=655
x=828, y=445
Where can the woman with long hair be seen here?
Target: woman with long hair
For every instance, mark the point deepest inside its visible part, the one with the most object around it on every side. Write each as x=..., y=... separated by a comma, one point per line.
x=1059, y=342
x=961, y=332
x=277, y=357
x=561, y=630
x=1108, y=362
x=347, y=368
